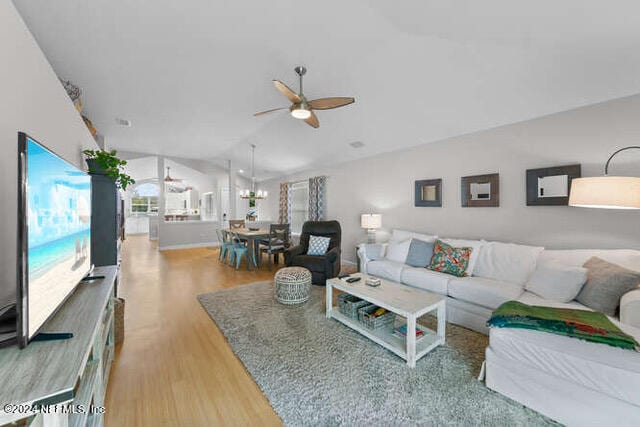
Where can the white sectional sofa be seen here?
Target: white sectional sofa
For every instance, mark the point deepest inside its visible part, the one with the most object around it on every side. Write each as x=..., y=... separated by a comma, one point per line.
x=572, y=381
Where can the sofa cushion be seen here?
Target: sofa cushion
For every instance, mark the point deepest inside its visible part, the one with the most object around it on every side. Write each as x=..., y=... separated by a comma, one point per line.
x=606, y=284
x=449, y=259
x=507, y=262
x=475, y=245
x=386, y=269
x=420, y=253
x=557, y=282
x=485, y=292
x=426, y=279
x=530, y=298
x=402, y=235
x=398, y=251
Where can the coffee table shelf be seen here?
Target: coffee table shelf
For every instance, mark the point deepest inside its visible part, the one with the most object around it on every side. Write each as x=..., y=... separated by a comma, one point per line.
x=391, y=342
x=404, y=301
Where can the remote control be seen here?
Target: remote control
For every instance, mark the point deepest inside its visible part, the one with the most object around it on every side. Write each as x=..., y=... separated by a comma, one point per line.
x=343, y=276
x=353, y=279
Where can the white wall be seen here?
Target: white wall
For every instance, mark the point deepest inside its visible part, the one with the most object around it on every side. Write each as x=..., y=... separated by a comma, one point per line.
x=33, y=101
x=385, y=183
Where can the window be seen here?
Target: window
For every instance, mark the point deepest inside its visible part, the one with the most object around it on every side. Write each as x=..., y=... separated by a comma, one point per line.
x=145, y=198
x=299, y=205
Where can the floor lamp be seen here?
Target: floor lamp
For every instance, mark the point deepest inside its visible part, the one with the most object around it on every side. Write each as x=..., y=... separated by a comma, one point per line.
x=606, y=192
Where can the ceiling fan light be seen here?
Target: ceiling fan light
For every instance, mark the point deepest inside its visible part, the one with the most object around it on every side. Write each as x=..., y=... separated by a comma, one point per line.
x=300, y=113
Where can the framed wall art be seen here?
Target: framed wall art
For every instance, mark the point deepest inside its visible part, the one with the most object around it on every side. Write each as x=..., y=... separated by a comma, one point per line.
x=550, y=186
x=428, y=192
x=480, y=191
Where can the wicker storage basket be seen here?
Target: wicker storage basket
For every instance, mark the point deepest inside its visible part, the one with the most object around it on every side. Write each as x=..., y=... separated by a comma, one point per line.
x=118, y=320
x=349, y=305
x=366, y=317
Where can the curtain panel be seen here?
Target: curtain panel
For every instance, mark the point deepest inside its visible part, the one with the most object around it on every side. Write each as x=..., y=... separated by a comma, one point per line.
x=317, y=186
x=284, y=211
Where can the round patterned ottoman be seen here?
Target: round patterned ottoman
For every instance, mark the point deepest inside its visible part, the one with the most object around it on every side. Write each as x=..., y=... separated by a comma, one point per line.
x=293, y=285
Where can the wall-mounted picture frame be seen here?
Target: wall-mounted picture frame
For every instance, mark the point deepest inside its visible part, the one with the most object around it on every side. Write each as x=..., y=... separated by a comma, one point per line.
x=480, y=191
x=550, y=186
x=428, y=192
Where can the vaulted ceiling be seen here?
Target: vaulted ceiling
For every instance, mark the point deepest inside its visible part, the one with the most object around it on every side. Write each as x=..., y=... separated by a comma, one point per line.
x=190, y=74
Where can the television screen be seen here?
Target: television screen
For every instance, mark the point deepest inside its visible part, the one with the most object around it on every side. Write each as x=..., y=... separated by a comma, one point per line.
x=55, y=233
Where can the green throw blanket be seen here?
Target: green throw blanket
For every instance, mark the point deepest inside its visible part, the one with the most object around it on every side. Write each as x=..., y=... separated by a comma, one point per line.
x=587, y=325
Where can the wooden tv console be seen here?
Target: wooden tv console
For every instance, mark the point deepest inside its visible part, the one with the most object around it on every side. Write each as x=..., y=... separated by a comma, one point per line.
x=63, y=383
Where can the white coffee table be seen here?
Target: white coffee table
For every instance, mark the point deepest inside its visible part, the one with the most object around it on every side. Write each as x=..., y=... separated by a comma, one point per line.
x=405, y=301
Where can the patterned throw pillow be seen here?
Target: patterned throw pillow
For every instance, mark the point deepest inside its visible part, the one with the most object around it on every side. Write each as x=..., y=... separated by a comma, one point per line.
x=450, y=260
x=318, y=245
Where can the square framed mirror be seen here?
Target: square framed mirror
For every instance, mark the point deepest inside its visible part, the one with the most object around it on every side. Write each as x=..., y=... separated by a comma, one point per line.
x=550, y=186
x=481, y=191
x=428, y=192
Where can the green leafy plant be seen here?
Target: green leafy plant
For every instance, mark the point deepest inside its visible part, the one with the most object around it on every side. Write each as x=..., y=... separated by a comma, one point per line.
x=111, y=165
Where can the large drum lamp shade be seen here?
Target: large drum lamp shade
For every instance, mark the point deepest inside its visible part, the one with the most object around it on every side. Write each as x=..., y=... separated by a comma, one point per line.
x=608, y=192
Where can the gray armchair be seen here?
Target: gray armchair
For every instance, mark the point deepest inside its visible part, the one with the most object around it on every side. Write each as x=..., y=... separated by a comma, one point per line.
x=322, y=267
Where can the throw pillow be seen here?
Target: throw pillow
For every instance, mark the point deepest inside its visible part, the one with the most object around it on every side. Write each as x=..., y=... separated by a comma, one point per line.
x=398, y=251
x=475, y=245
x=507, y=262
x=450, y=260
x=420, y=253
x=557, y=282
x=606, y=284
x=318, y=245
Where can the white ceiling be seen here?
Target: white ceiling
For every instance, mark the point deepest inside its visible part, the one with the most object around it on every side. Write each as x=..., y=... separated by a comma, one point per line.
x=190, y=74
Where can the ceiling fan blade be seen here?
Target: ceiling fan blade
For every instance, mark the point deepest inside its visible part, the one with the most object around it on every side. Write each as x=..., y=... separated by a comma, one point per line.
x=313, y=120
x=286, y=91
x=270, y=111
x=329, y=103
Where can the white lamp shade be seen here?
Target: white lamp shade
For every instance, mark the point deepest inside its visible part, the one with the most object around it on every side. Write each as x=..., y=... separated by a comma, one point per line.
x=607, y=192
x=371, y=221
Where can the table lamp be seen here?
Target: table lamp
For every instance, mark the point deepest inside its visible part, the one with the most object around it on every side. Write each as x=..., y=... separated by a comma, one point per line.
x=606, y=192
x=371, y=222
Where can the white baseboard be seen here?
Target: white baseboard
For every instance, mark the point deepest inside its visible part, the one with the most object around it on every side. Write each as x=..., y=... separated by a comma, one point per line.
x=347, y=262
x=188, y=246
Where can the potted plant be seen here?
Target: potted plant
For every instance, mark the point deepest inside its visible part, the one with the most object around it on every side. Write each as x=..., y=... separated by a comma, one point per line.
x=106, y=163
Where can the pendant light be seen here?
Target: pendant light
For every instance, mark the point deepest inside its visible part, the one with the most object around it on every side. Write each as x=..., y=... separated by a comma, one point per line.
x=252, y=193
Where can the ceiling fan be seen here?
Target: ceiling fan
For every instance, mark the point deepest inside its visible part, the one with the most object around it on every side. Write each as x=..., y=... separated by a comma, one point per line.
x=301, y=108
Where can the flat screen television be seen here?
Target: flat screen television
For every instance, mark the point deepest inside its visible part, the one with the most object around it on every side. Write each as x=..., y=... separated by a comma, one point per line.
x=54, y=233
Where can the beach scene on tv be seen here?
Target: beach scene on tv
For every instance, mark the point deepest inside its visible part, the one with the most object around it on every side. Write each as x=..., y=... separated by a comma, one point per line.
x=59, y=227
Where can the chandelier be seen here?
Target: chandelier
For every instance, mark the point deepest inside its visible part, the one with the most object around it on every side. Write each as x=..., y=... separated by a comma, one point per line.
x=252, y=193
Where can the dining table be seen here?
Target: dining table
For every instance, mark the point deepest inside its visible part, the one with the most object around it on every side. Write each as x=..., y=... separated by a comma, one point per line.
x=253, y=238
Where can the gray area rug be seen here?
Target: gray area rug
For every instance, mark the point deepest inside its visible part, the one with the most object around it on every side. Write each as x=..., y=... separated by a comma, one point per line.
x=316, y=371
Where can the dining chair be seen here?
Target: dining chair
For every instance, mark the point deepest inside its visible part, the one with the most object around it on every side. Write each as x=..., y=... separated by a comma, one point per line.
x=238, y=250
x=226, y=244
x=277, y=244
x=234, y=224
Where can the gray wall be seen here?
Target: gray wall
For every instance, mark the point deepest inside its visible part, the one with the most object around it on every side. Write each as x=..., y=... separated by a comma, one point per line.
x=33, y=101
x=385, y=183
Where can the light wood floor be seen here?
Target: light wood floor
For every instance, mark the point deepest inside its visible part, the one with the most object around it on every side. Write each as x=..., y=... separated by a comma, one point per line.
x=175, y=367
